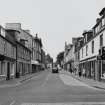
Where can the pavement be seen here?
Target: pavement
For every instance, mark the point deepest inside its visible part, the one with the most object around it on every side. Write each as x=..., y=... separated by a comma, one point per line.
x=17, y=81
x=90, y=82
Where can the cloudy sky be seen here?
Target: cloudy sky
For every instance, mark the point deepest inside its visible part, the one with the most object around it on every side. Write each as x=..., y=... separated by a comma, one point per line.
x=56, y=21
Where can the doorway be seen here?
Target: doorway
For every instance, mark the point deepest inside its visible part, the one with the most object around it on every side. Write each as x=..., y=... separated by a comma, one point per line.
x=8, y=71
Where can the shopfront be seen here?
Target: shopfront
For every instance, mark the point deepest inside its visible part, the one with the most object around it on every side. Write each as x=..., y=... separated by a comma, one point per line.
x=102, y=69
x=89, y=66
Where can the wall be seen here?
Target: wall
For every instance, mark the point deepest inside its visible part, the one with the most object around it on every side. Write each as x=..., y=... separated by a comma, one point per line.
x=70, y=55
x=96, y=48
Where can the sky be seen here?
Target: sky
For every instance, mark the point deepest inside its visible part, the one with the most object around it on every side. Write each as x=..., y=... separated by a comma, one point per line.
x=55, y=21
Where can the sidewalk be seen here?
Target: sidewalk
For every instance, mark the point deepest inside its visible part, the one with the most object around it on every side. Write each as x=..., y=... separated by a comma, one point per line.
x=90, y=82
x=17, y=81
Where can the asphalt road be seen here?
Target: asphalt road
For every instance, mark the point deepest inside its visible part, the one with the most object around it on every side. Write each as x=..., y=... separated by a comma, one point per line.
x=50, y=88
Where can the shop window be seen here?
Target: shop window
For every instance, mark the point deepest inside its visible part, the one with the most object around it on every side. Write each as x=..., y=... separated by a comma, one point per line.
x=12, y=68
x=2, y=68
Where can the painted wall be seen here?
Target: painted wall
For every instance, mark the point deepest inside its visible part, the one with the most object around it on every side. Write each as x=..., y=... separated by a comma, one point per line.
x=96, y=47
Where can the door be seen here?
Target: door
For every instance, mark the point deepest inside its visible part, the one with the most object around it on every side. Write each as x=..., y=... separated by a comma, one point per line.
x=8, y=71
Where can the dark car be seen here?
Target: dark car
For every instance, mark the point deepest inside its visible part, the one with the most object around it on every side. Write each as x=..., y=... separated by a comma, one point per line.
x=55, y=70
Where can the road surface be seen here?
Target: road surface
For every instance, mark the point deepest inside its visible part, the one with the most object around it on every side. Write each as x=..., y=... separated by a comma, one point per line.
x=51, y=88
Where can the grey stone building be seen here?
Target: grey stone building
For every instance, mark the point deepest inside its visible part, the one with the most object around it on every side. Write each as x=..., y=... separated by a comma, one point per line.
x=36, y=54
x=23, y=52
x=7, y=56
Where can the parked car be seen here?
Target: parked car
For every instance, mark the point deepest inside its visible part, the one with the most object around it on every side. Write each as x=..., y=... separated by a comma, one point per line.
x=55, y=70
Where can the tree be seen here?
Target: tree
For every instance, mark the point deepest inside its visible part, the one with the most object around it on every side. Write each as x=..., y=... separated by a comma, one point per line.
x=49, y=59
x=60, y=57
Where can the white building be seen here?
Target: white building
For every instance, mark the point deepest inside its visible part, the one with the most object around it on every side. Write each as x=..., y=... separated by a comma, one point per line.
x=93, y=41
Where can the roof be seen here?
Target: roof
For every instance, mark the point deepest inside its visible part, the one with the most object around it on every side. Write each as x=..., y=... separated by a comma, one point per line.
x=102, y=11
x=12, y=30
x=85, y=32
x=23, y=45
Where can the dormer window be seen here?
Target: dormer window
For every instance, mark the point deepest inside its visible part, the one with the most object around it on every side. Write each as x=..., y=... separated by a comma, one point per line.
x=102, y=12
x=103, y=21
x=2, y=31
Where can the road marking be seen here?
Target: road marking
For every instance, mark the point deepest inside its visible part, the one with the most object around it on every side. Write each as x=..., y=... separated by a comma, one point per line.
x=13, y=102
x=71, y=103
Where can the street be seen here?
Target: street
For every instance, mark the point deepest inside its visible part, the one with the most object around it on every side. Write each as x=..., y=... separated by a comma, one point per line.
x=50, y=87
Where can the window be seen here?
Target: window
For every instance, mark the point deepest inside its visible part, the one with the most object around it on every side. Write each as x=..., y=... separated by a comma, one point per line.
x=78, y=55
x=82, y=52
x=103, y=21
x=94, y=31
x=24, y=51
x=98, y=28
x=101, y=40
x=19, y=52
x=5, y=47
x=92, y=47
x=100, y=25
x=35, y=44
x=2, y=68
x=12, y=51
x=12, y=68
x=86, y=50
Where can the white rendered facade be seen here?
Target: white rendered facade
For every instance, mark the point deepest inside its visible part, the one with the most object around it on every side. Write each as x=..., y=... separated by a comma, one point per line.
x=90, y=50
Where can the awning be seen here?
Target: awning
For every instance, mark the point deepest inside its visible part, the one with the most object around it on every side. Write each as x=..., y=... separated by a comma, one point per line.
x=35, y=62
